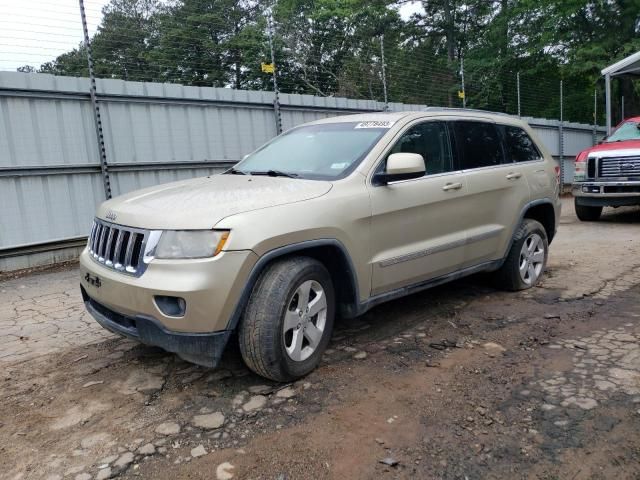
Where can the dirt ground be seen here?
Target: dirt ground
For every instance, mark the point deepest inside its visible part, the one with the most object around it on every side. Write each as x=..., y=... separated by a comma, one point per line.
x=459, y=382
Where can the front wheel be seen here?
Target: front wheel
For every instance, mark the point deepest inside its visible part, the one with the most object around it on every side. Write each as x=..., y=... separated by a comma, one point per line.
x=289, y=318
x=527, y=257
x=587, y=213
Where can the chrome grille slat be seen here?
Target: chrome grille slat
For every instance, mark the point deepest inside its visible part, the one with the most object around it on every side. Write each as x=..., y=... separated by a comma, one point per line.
x=116, y=254
x=118, y=247
x=108, y=260
x=94, y=225
x=619, y=167
x=129, y=250
x=96, y=240
x=103, y=234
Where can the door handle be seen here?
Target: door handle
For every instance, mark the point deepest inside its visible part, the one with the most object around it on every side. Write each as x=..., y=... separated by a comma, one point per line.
x=513, y=175
x=452, y=186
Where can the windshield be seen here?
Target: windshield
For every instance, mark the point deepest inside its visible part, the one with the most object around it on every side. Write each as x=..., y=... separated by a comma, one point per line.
x=626, y=131
x=326, y=151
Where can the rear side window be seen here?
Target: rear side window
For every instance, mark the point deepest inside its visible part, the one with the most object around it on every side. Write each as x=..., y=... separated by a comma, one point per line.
x=478, y=143
x=520, y=147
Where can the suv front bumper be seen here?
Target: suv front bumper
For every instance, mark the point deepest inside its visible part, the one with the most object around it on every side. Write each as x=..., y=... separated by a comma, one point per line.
x=128, y=305
x=607, y=194
x=200, y=348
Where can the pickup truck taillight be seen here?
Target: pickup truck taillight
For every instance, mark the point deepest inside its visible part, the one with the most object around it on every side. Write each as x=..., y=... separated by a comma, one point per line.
x=580, y=169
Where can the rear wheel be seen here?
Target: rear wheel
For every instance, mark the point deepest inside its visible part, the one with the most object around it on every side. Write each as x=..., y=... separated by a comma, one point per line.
x=527, y=257
x=289, y=318
x=587, y=213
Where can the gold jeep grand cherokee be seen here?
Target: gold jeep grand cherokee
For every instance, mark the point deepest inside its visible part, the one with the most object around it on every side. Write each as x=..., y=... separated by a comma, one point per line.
x=329, y=219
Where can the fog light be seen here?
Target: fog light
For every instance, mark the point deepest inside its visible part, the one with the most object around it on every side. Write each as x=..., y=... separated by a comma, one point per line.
x=171, y=306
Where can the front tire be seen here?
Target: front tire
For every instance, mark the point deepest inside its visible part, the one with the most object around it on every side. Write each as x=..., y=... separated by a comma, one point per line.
x=288, y=321
x=587, y=213
x=527, y=257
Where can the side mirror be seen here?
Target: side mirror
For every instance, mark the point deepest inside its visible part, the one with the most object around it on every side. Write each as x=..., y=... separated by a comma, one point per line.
x=401, y=166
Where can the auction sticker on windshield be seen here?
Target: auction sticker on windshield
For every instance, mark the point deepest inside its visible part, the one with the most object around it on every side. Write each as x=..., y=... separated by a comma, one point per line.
x=375, y=124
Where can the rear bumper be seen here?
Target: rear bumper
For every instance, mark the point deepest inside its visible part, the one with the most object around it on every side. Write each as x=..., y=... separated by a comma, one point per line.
x=199, y=348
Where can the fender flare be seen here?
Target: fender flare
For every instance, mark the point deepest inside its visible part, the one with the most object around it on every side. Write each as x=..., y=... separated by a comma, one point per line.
x=279, y=252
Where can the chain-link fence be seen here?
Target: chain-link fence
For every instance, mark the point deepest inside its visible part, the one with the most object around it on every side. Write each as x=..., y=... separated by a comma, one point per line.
x=383, y=51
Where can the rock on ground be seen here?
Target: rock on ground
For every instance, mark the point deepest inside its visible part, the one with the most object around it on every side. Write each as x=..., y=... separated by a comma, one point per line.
x=255, y=403
x=199, y=451
x=168, y=428
x=125, y=460
x=287, y=392
x=224, y=471
x=104, y=474
x=148, y=449
x=209, y=421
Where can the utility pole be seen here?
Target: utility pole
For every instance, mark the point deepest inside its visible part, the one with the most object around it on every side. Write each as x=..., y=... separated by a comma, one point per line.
x=561, y=136
x=384, y=74
x=518, y=87
x=104, y=168
x=464, y=93
x=276, y=101
x=607, y=101
x=595, y=115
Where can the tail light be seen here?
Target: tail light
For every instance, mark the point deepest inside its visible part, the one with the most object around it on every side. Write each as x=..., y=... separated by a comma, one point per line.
x=558, y=172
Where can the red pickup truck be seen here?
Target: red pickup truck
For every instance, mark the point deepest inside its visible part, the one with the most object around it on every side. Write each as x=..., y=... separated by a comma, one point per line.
x=608, y=174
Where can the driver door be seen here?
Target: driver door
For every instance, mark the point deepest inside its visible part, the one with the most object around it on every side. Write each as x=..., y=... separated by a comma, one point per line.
x=418, y=226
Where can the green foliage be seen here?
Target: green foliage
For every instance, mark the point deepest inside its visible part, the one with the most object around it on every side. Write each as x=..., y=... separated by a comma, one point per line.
x=334, y=47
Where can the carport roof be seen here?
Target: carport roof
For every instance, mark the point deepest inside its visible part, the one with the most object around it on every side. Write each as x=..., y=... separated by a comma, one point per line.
x=626, y=66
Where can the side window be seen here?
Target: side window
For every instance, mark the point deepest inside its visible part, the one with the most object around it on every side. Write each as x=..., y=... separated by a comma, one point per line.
x=429, y=139
x=479, y=144
x=520, y=147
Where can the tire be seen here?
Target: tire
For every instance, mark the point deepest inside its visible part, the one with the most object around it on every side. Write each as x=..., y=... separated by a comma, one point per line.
x=277, y=340
x=586, y=213
x=529, y=250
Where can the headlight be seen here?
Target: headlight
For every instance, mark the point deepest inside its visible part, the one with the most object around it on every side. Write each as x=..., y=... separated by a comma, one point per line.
x=191, y=243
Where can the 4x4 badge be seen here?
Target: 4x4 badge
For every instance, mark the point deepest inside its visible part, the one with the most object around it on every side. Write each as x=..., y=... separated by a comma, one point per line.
x=95, y=281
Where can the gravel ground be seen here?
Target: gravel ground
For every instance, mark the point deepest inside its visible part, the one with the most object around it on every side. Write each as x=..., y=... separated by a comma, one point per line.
x=459, y=382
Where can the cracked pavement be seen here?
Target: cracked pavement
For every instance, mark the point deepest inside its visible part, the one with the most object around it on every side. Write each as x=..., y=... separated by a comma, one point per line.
x=460, y=381
x=43, y=314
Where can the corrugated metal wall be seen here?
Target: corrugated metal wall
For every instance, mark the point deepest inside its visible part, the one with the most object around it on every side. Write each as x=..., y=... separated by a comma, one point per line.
x=50, y=178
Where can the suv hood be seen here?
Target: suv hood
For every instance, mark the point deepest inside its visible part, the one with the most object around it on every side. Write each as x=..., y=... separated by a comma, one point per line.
x=200, y=203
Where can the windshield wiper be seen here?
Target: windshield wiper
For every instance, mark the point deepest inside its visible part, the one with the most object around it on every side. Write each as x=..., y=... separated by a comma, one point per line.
x=234, y=171
x=276, y=173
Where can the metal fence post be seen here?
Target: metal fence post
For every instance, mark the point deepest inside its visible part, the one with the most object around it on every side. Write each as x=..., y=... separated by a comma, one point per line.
x=104, y=168
x=276, y=101
x=384, y=74
x=561, y=137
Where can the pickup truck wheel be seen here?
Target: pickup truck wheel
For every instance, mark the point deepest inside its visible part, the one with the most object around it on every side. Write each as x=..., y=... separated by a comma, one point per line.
x=289, y=318
x=527, y=257
x=587, y=213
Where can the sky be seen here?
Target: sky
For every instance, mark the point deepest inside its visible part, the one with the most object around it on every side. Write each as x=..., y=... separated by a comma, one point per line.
x=36, y=31
x=33, y=32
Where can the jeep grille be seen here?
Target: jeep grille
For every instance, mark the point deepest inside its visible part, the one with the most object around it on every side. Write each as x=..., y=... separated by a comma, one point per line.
x=117, y=247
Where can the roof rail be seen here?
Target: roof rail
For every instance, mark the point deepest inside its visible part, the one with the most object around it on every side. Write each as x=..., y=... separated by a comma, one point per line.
x=457, y=109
